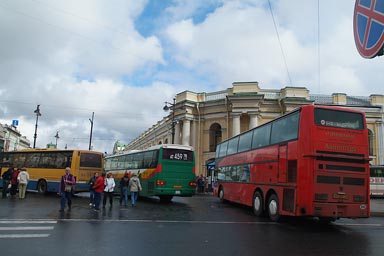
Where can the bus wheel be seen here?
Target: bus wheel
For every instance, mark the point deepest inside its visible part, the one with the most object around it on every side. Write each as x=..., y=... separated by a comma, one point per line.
x=221, y=195
x=273, y=208
x=42, y=187
x=257, y=204
x=166, y=199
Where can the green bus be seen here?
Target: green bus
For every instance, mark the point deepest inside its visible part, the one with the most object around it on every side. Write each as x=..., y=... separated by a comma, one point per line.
x=165, y=170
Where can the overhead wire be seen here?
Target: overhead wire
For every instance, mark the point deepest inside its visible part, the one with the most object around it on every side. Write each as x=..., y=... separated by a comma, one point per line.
x=71, y=31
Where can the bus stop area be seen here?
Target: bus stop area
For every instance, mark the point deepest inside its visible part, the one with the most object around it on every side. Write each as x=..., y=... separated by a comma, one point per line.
x=377, y=207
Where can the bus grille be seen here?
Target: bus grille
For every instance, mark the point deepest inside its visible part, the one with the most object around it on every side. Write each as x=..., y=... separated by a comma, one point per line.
x=288, y=199
x=151, y=186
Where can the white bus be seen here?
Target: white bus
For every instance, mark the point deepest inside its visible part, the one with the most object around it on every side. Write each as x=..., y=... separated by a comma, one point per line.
x=377, y=180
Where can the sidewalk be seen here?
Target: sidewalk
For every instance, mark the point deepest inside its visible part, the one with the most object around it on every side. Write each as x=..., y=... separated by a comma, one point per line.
x=377, y=207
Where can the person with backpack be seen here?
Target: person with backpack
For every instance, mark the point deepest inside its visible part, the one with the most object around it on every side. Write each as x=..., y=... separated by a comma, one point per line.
x=66, y=189
x=135, y=188
x=23, y=178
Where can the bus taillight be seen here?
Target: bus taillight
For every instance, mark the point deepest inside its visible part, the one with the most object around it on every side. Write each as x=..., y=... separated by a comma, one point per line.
x=160, y=182
x=192, y=184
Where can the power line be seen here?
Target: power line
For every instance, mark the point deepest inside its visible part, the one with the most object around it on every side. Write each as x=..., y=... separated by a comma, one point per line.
x=72, y=32
x=281, y=47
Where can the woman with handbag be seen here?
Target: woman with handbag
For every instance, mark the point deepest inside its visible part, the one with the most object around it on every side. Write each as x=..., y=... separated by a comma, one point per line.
x=66, y=189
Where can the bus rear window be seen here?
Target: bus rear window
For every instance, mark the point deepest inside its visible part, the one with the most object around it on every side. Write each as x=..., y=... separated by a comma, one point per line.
x=90, y=160
x=177, y=154
x=337, y=118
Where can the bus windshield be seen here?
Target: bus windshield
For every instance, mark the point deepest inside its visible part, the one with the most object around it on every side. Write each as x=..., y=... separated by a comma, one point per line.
x=177, y=154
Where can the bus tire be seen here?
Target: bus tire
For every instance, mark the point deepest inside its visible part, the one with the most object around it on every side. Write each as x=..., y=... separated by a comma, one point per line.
x=165, y=199
x=221, y=194
x=42, y=187
x=258, y=204
x=273, y=208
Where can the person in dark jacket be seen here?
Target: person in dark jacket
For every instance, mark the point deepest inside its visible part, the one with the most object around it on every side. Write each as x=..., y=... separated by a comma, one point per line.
x=92, y=190
x=124, y=182
x=66, y=189
x=7, y=176
x=14, y=182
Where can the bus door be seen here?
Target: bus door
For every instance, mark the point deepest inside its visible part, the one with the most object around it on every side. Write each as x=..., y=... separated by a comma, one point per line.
x=283, y=155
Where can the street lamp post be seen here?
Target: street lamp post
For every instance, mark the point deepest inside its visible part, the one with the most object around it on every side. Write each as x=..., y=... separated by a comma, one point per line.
x=37, y=112
x=90, y=136
x=57, y=137
x=167, y=107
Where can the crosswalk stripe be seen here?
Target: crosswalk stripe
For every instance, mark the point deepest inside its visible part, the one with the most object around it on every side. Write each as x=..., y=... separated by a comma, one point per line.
x=24, y=235
x=28, y=221
x=16, y=228
x=26, y=228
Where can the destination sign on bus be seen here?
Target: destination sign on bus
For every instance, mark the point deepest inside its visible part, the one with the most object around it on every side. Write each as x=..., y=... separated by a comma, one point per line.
x=350, y=125
x=177, y=154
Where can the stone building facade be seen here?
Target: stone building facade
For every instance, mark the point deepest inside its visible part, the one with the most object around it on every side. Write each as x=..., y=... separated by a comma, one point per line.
x=203, y=120
x=11, y=139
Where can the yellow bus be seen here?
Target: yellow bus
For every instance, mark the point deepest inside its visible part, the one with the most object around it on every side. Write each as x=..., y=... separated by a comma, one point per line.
x=46, y=166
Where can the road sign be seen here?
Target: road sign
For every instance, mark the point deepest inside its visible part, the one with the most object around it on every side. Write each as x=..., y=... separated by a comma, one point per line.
x=15, y=123
x=368, y=26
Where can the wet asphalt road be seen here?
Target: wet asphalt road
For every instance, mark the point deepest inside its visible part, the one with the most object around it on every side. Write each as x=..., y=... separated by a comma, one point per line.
x=200, y=225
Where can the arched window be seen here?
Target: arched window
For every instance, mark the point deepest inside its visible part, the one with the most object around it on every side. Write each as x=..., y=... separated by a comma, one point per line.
x=166, y=141
x=371, y=141
x=214, y=136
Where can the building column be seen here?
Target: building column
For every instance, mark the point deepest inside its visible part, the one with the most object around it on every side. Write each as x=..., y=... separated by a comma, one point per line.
x=186, y=132
x=253, y=120
x=177, y=133
x=235, y=124
x=193, y=134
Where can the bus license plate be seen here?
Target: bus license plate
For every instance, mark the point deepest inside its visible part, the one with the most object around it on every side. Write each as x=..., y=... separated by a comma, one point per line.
x=340, y=196
x=177, y=192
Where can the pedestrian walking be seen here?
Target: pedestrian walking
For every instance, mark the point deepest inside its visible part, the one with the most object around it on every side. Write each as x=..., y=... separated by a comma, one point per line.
x=66, y=189
x=98, y=188
x=23, y=178
x=109, y=187
x=14, y=182
x=124, y=183
x=91, y=183
x=134, y=188
x=7, y=176
x=201, y=183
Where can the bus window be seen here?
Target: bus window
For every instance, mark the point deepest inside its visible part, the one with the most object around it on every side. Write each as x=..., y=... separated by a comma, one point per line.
x=149, y=160
x=90, y=160
x=177, y=154
x=223, y=149
x=285, y=129
x=337, y=118
x=261, y=136
x=138, y=160
x=120, y=162
x=232, y=145
x=245, y=142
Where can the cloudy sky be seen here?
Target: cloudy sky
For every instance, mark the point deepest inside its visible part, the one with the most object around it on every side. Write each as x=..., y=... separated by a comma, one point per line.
x=121, y=59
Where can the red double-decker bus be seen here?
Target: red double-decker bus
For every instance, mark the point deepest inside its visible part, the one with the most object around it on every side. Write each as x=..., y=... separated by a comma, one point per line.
x=312, y=162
